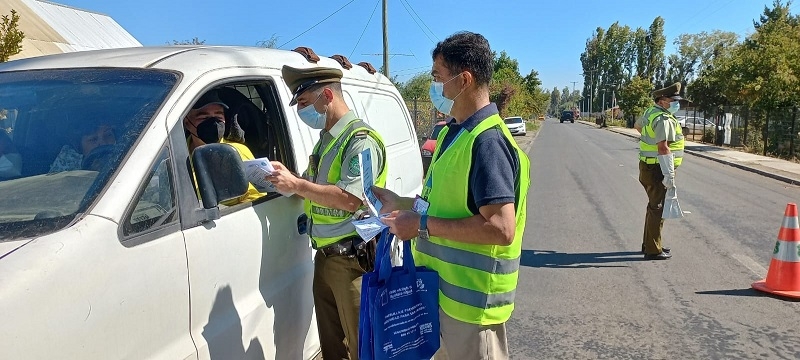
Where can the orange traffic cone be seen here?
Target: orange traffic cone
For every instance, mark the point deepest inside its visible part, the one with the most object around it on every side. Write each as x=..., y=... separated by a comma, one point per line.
x=783, y=277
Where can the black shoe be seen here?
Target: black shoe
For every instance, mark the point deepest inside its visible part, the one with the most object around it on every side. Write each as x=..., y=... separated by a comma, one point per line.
x=664, y=249
x=659, y=256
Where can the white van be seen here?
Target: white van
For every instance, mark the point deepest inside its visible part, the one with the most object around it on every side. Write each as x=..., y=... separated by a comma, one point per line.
x=123, y=261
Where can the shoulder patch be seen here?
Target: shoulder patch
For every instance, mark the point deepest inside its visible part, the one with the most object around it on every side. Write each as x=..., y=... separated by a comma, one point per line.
x=353, y=168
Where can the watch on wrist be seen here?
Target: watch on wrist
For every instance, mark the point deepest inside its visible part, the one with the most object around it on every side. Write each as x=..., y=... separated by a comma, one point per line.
x=423, y=228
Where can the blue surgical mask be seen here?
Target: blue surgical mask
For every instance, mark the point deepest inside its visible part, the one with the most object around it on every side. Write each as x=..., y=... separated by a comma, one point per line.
x=311, y=117
x=440, y=102
x=674, y=106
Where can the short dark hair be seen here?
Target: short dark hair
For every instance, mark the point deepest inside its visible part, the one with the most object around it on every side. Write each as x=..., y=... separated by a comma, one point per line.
x=336, y=87
x=467, y=51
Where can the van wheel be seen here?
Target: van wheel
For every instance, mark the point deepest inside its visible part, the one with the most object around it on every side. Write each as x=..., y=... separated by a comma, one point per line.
x=572, y=121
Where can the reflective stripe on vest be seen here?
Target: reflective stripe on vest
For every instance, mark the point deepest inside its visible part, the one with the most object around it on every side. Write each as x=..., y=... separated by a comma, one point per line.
x=477, y=282
x=328, y=225
x=648, y=147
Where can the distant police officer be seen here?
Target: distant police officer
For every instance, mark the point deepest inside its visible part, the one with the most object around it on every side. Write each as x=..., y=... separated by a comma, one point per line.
x=660, y=153
x=332, y=190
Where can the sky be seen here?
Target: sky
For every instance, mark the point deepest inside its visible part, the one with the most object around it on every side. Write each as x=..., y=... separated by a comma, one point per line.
x=546, y=36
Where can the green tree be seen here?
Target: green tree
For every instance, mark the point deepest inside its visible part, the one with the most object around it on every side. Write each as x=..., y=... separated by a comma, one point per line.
x=695, y=52
x=10, y=36
x=271, y=43
x=654, y=54
x=193, y=41
x=555, y=101
x=634, y=97
x=417, y=88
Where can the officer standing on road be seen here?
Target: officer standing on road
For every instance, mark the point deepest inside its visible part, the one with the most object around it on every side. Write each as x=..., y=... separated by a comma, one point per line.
x=476, y=190
x=660, y=153
x=332, y=190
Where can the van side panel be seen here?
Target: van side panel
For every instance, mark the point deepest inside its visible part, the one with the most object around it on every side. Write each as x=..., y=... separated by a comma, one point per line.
x=385, y=111
x=80, y=294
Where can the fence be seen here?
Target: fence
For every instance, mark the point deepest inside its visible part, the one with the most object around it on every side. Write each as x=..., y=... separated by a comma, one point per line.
x=772, y=132
x=424, y=116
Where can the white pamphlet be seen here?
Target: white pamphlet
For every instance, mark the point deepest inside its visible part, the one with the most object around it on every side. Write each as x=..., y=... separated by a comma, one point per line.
x=365, y=161
x=256, y=172
x=371, y=226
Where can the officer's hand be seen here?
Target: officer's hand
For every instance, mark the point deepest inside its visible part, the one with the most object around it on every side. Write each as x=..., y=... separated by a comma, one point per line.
x=389, y=199
x=283, y=179
x=403, y=224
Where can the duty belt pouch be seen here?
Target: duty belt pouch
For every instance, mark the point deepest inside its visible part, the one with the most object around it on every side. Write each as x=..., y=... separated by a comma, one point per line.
x=365, y=254
x=365, y=250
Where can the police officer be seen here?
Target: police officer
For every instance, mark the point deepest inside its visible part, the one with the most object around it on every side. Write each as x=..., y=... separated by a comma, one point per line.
x=660, y=153
x=476, y=189
x=332, y=190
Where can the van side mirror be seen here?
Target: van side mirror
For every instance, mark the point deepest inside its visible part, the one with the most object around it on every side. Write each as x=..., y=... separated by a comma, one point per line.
x=219, y=172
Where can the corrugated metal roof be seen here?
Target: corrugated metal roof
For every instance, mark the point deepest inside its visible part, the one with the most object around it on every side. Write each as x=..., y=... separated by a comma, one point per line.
x=54, y=28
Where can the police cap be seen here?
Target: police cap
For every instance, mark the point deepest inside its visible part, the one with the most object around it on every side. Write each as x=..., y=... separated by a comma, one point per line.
x=673, y=92
x=300, y=80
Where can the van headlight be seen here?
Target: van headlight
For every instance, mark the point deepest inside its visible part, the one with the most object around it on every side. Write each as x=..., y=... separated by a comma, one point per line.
x=426, y=153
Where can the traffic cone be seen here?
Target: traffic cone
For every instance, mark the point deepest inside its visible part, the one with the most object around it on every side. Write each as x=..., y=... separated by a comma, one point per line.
x=783, y=277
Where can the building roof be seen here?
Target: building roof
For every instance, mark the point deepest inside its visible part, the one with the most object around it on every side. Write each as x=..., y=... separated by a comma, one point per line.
x=52, y=28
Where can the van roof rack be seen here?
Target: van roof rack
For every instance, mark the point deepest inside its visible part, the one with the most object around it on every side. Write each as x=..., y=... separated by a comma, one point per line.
x=308, y=53
x=368, y=66
x=342, y=61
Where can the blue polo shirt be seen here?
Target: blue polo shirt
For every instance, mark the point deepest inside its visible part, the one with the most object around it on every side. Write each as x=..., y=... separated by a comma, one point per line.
x=492, y=175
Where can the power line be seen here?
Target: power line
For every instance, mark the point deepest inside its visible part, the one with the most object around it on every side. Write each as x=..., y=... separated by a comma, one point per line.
x=365, y=27
x=420, y=19
x=402, y=2
x=320, y=22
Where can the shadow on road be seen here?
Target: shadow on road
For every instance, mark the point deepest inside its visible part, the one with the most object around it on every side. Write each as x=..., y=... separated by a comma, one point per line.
x=744, y=292
x=554, y=259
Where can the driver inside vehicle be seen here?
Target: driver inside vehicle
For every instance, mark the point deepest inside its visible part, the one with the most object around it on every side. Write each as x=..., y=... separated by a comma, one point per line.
x=91, y=144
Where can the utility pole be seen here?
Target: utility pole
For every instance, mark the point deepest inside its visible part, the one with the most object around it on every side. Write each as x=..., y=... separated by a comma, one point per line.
x=386, y=38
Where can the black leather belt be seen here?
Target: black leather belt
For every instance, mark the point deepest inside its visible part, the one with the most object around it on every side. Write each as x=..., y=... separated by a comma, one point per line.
x=342, y=248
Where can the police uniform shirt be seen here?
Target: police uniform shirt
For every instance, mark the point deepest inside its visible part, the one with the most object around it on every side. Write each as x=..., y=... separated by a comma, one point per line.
x=350, y=179
x=664, y=129
x=492, y=177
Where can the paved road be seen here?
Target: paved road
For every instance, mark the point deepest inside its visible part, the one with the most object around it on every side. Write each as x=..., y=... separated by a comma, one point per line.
x=585, y=292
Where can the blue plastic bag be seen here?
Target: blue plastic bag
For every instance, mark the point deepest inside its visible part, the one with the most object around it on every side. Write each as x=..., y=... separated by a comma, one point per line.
x=399, y=317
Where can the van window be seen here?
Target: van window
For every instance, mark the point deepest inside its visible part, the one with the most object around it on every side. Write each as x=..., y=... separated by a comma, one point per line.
x=155, y=206
x=385, y=114
x=67, y=131
x=255, y=107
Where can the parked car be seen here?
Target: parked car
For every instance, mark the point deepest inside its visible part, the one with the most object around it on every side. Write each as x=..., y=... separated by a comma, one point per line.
x=516, y=125
x=694, y=125
x=429, y=145
x=567, y=116
x=127, y=261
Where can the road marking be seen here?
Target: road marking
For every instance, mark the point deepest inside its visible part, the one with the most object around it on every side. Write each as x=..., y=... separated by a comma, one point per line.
x=751, y=264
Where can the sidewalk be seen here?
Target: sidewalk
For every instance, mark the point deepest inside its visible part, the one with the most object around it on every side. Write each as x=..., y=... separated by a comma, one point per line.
x=777, y=169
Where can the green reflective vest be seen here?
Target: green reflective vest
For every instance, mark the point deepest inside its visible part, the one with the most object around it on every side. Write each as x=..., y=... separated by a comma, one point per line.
x=329, y=225
x=477, y=282
x=648, y=147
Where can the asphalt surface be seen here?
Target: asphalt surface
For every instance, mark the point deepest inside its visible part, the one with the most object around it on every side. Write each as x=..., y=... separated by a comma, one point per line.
x=585, y=291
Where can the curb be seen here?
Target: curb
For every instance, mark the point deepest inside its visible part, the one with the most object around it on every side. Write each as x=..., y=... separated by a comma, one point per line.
x=729, y=163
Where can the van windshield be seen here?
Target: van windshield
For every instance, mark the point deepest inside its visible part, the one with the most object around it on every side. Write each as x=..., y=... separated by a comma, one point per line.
x=63, y=133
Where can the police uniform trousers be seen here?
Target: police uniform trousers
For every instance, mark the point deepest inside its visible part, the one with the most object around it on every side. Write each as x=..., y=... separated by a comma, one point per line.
x=337, y=299
x=650, y=177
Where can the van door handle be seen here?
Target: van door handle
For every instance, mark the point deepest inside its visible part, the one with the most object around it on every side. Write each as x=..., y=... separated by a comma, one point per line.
x=302, y=224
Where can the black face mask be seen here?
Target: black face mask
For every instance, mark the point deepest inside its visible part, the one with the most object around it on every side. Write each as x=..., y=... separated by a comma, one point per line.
x=211, y=130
